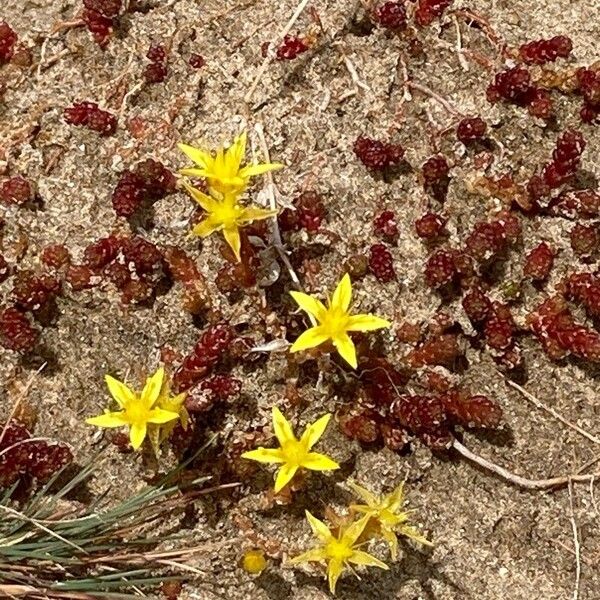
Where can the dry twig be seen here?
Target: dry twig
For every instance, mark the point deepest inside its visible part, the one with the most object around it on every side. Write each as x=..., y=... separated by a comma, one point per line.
x=267, y=60
x=518, y=480
x=575, y=544
x=275, y=233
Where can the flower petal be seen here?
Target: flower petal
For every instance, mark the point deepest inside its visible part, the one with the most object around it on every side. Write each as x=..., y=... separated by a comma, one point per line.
x=137, y=434
x=366, y=323
x=232, y=237
x=284, y=476
x=345, y=346
x=200, y=157
x=314, y=431
x=281, y=427
x=237, y=151
x=108, y=419
x=253, y=170
x=207, y=226
x=363, y=493
x=309, y=304
x=119, y=391
x=390, y=537
x=319, y=528
x=193, y=172
x=153, y=387
x=206, y=202
x=265, y=455
x=158, y=416
x=395, y=499
x=311, y=338
x=314, y=554
x=253, y=213
x=342, y=296
x=359, y=557
x=354, y=531
x=319, y=462
x=414, y=534
x=334, y=570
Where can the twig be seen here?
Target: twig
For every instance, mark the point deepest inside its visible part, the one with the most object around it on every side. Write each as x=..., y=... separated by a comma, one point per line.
x=354, y=75
x=551, y=411
x=275, y=233
x=593, y=497
x=485, y=26
x=64, y=25
x=267, y=60
x=134, y=90
x=459, y=49
x=575, y=544
x=523, y=482
x=429, y=92
x=406, y=95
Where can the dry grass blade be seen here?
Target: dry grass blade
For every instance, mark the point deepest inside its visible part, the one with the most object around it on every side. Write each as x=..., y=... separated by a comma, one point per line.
x=47, y=552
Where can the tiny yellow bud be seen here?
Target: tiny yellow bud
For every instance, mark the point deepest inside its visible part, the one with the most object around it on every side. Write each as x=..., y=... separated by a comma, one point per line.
x=254, y=562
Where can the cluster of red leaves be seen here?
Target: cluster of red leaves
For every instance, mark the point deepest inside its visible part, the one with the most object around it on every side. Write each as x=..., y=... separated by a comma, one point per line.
x=16, y=190
x=560, y=333
x=486, y=243
x=158, y=69
x=24, y=458
x=291, y=47
x=588, y=85
x=540, y=52
x=436, y=177
x=88, y=114
x=31, y=297
x=377, y=155
x=308, y=213
x=384, y=411
x=135, y=266
x=147, y=182
x=428, y=11
x=514, y=85
x=206, y=389
x=100, y=17
x=8, y=40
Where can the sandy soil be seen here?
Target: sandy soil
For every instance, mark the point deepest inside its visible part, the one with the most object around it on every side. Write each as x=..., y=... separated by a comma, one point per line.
x=492, y=539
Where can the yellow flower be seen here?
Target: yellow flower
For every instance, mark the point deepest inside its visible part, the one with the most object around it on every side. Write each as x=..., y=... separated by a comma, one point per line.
x=387, y=513
x=333, y=322
x=137, y=411
x=254, y=562
x=224, y=172
x=175, y=404
x=293, y=453
x=227, y=215
x=338, y=551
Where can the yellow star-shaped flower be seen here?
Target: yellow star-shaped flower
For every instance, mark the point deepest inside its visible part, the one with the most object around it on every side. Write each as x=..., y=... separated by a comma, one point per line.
x=387, y=515
x=293, y=453
x=137, y=411
x=175, y=404
x=333, y=322
x=224, y=172
x=226, y=214
x=338, y=551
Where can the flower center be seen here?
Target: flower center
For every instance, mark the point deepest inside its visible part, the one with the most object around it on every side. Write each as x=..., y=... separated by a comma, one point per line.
x=335, y=321
x=136, y=412
x=339, y=550
x=295, y=452
x=227, y=213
